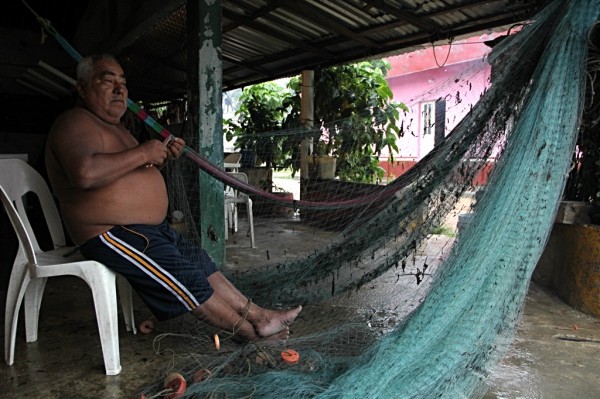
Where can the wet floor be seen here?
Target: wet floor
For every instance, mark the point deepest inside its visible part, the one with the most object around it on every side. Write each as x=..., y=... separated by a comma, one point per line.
x=555, y=355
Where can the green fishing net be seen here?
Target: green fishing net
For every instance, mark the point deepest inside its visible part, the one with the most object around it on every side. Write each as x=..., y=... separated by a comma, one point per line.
x=464, y=310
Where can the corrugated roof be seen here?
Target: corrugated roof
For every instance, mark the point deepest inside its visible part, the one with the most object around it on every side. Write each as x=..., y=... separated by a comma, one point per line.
x=269, y=39
x=264, y=40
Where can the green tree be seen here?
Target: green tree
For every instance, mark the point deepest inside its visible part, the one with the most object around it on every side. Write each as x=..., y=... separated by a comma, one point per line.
x=353, y=106
x=261, y=113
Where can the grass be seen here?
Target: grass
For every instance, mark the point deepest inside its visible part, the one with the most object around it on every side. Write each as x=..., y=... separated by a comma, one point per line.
x=444, y=231
x=285, y=174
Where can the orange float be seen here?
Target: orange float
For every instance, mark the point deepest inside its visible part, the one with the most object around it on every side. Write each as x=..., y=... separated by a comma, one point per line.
x=290, y=356
x=146, y=326
x=176, y=383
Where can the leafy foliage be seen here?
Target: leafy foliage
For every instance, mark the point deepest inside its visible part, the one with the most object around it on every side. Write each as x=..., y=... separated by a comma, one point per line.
x=353, y=106
x=261, y=112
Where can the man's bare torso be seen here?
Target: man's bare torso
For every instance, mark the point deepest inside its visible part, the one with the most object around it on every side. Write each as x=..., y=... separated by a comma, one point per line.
x=137, y=197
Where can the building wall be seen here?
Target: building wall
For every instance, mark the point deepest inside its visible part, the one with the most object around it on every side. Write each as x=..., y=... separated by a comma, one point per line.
x=457, y=73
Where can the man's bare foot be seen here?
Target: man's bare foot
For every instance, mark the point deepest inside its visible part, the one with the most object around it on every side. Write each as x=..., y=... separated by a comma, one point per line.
x=273, y=322
x=276, y=338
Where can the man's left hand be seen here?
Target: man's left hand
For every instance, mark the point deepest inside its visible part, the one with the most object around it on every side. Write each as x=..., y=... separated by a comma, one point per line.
x=175, y=147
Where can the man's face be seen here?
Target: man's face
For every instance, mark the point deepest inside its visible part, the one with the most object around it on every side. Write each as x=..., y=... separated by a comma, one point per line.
x=106, y=94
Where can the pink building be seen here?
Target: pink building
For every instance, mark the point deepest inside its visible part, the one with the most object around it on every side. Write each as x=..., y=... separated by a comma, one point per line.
x=439, y=85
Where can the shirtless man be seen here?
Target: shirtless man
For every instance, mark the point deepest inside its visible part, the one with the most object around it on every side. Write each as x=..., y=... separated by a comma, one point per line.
x=113, y=199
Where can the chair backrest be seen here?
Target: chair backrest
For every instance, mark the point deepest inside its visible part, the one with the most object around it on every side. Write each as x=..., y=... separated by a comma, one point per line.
x=240, y=176
x=231, y=191
x=25, y=243
x=18, y=179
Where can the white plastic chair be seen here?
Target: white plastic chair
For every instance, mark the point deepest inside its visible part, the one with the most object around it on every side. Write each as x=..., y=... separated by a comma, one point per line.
x=231, y=162
x=32, y=267
x=234, y=197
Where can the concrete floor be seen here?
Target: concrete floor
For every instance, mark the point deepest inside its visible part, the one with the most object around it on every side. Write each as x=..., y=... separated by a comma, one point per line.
x=555, y=355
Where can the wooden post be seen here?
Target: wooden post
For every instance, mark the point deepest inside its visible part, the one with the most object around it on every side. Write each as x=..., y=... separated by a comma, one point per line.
x=307, y=116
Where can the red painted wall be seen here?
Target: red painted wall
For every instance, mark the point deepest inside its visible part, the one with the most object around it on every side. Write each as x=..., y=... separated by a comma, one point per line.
x=458, y=73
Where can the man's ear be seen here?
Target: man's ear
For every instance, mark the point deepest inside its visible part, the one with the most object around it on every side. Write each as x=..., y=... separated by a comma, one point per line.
x=80, y=91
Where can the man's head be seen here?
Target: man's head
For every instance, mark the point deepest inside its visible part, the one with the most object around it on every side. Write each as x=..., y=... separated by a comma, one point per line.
x=101, y=85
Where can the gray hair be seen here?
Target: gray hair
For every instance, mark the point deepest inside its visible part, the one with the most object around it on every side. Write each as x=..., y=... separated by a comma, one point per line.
x=85, y=68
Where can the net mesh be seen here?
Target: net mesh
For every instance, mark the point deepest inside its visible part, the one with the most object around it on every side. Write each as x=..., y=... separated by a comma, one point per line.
x=462, y=314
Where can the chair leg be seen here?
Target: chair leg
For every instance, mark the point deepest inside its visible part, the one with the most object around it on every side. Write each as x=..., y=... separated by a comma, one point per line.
x=226, y=221
x=19, y=280
x=33, y=303
x=103, y=285
x=235, y=217
x=250, y=221
x=126, y=298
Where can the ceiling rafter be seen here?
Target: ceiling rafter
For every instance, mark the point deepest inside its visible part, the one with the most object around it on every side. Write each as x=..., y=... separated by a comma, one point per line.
x=263, y=11
x=314, y=14
x=412, y=39
x=309, y=34
x=247, y=66
x=405, y=15
x=470, y=4
x=276, y=34
x=417, y=39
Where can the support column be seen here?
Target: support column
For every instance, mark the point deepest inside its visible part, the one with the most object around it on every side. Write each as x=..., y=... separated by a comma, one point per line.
x=205, y=81
x=307, y=116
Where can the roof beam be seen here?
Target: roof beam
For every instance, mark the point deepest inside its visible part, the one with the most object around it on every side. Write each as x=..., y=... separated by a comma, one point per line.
x=417, y=39
x=407, y=16
x=247, y=66
x=317, y=16
x=465, y=5
x=270, y=7
x=252, y=24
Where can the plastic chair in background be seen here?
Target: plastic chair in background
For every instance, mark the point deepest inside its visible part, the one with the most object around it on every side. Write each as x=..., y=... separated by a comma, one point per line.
x=231, y=162
x=33, y=266
x=234, y=197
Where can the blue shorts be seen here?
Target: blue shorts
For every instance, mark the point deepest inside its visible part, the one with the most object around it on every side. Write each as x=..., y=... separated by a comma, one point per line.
x=169, y=273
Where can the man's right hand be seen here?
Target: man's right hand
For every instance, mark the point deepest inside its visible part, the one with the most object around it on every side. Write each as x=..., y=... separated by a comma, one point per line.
x=155, y=152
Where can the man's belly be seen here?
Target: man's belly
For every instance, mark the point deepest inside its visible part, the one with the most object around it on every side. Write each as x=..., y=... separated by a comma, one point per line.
x=140, y=198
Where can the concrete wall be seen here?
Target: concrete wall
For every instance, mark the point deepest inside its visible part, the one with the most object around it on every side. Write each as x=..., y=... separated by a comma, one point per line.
x=457, y=73
x=570, y=265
